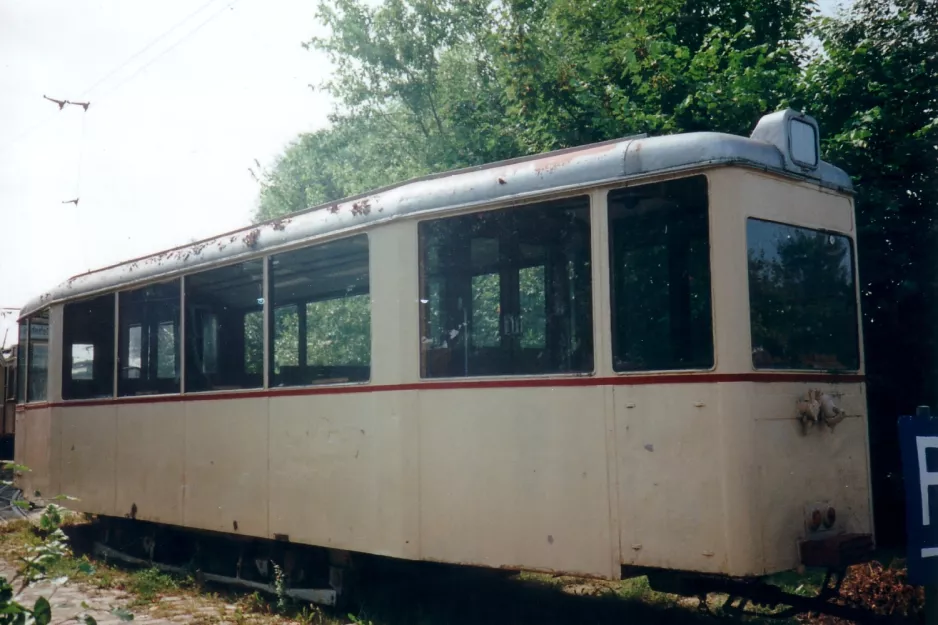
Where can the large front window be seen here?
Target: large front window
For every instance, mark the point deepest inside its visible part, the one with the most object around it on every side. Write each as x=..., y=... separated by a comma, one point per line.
x=321, y=314
x=225, y=328
x=802, y=298
x=149, y=340
x=507, y=292
x=37, y=357
x=659, y=241
x=88, y=354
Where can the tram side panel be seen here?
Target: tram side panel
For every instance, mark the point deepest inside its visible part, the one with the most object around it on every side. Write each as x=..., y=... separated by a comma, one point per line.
x=343, y=470
x=514, y=477
x=36, y=444
x=226, y=466
x=88, y=457
x=151, y=461
x=671, y=464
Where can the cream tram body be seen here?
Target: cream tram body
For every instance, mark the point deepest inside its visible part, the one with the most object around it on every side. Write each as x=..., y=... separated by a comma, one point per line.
x=584, y=464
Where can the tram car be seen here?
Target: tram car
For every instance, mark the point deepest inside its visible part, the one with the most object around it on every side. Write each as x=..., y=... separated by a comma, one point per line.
x=643, y=354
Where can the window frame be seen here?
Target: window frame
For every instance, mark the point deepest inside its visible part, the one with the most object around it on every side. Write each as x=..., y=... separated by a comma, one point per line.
x=586, y=192
x=185, y=327
x=270, y=313
x=68, y=358
x=855, y=273
x=607, y=271
x=26, y=351
x=151, y=348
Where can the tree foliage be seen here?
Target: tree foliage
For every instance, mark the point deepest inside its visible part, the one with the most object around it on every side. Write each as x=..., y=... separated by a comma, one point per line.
x=430, y=85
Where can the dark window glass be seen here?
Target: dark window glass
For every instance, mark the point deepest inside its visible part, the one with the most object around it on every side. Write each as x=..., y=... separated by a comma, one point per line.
x=88, y=349
x=38, y=361
x=149, y=340
x=507, y=292
x=218, y=305
x=21, y=362
x=802, y=298
x=321, y=322
x=660, y=276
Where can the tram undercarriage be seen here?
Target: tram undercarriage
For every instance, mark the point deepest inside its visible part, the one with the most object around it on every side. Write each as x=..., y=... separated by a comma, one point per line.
x=331, y=577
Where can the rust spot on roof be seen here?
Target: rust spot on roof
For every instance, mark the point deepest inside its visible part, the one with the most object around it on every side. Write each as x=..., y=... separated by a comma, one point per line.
x=550, y=163
x=502, y=181
x=280, y=224
x=250, y=239
x=361, y=208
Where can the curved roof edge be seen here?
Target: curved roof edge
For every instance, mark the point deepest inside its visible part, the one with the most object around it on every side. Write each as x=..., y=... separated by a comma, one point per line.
x=610, y=161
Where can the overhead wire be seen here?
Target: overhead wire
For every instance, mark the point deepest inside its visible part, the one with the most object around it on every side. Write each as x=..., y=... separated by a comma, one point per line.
x=168, y=50
x=118, y=85
x=152, y=42
x=88, y=90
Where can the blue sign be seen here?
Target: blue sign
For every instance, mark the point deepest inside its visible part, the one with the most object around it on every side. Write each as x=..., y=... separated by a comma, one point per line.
x=918, y=442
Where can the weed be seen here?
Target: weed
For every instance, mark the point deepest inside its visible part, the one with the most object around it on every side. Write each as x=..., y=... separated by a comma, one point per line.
x=151, y=583
x=357, y=620
x=310, y=615
x=280, y=588
x=256, y=603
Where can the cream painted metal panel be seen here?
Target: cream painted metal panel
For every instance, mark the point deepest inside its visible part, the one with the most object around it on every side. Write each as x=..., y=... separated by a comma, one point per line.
x=151, y=445
x=395, y=312
x=226, y=465
x=342, y=469
x=601, y=285
x=728, y=273
x=35, y=447
x=795, y=470
x=801, y=204
x=742, y=531
x=515, y=478
x=20, y=450
x=671, y=476
x=89, y=457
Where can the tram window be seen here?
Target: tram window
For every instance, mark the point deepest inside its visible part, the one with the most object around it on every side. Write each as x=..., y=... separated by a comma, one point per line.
x=660, y=276
x=37, y=377
x=88, y=353
x=219, y=303
x=21, y=352
x=322, y=314
x=149, y=340
x=507, y=292
x=802, y=298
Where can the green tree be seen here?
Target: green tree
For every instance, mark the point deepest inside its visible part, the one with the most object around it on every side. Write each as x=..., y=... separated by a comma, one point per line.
x=430, y=85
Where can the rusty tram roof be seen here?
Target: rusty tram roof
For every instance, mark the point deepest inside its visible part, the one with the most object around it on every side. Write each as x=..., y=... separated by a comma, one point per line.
x=517, y=179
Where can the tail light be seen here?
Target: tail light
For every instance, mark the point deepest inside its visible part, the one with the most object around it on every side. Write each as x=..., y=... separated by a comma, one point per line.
x=830, y=518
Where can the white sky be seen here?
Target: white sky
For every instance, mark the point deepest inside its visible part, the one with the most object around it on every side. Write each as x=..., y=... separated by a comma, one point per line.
x=165, y=155
x=159, y=159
